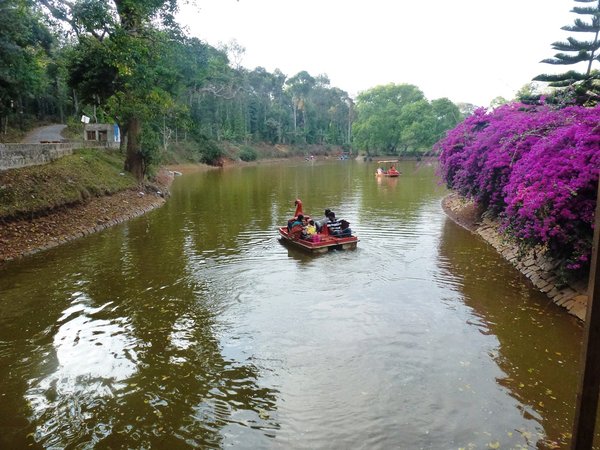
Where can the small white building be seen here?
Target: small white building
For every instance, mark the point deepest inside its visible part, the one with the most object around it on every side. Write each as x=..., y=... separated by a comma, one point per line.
x=101, y=132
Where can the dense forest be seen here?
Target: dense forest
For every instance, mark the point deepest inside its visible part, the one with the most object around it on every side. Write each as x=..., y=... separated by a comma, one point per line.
x=129, y=62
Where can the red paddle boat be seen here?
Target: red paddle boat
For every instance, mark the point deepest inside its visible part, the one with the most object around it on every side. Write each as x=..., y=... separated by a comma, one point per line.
x=389, y=171
x=320, y=242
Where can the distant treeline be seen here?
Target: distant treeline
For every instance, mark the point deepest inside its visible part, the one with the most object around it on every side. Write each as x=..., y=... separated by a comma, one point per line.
x=130, y=63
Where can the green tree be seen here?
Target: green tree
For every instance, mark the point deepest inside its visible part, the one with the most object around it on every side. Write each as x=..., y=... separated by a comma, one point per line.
x=396, y=119
x=121, y=61
x=446, y=116
x=585, y=86
x=528, y=93
x=379, y=122
x=299, y=87
x=25, y=45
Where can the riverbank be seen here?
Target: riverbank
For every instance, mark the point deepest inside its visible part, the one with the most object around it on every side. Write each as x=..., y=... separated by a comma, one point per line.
x=26, y=236
x=535, y=265
x=38, y=231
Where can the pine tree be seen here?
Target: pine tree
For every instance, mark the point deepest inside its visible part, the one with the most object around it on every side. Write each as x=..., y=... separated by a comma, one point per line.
x=585, y=87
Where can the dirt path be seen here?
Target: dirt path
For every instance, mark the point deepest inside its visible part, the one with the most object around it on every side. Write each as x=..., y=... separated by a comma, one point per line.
x=49, y=133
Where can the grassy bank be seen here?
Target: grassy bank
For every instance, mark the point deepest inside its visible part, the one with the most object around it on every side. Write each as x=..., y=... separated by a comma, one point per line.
x=71, y=180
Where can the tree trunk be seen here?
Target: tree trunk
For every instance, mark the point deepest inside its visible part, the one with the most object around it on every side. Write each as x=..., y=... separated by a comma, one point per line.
x=134, y=161
x=295, y=111
x=75, y=102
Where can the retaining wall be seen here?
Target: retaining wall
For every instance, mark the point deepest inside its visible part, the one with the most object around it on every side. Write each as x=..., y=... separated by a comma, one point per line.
x=539, y=268
x=13, y=156
x=535, y=264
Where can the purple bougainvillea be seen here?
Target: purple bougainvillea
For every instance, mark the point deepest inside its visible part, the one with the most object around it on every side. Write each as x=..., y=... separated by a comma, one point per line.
x=534, y=167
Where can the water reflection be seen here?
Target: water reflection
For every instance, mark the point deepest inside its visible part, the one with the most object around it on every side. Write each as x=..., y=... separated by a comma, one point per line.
x=537, y=348
x=93, y=357
x=194, y=327
x=131, y=358
x=387, y=183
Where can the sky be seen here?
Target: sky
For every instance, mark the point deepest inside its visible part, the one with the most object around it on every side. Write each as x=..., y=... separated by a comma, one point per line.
x=470, y=51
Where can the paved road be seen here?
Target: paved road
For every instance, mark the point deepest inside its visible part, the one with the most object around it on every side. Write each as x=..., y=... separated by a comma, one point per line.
x=49, y=133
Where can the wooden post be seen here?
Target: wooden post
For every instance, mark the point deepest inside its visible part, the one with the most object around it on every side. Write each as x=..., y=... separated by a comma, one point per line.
x=589, y=385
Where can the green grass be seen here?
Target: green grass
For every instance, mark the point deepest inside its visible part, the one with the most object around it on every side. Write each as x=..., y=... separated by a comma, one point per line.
x=70, y=180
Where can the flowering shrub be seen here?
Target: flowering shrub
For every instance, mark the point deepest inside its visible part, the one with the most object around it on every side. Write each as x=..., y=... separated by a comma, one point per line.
x=534, y=167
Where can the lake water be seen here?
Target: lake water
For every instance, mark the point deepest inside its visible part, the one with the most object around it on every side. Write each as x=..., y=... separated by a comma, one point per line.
x=194, y=326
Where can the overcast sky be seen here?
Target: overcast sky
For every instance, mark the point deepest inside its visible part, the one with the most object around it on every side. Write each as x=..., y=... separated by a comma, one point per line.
x=467, y=50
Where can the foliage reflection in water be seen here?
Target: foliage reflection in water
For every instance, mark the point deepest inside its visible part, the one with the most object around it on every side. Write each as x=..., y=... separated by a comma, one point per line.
x=194, y=327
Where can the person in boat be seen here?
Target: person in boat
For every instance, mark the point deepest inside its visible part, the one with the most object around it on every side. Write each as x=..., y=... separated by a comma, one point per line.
x=321, y=222
x=311, y=229
x=337, y=227
x=297, y=228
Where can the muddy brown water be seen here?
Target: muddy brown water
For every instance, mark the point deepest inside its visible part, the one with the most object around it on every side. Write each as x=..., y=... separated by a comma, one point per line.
x=194, y=326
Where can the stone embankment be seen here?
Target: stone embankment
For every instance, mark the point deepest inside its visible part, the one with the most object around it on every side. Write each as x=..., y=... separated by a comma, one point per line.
x=535, y=265
x=14, y=156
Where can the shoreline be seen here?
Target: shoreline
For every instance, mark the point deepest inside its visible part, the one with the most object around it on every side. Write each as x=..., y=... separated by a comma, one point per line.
x=535, y=265
x=24, y=237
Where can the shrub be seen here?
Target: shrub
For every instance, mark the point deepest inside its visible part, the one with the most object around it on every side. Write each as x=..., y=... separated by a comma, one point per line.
x=248, y=153
x=533, y=166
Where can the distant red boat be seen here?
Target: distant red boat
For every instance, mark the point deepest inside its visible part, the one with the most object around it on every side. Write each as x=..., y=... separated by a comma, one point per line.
x=391, y=170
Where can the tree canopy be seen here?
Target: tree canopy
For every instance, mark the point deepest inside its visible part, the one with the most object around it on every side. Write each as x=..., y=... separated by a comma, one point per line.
x=25, y=44
x=397, y=119
x=127, y=61
x=120, y=61
x=582, y=87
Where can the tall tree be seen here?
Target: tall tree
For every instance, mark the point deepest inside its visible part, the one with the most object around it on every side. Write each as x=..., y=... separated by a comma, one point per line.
x=379, y=122
x=119, y=61
x=586, y=84
x=299, y=87
x=395, y=119
x=24, y=53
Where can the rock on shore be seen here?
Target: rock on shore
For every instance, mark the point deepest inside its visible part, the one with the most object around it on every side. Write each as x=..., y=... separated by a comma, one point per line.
x=535, y=265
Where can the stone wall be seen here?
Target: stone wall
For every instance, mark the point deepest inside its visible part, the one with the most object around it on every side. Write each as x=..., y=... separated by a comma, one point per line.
x=539, y=268
x=535, y=265
x=13, y=156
